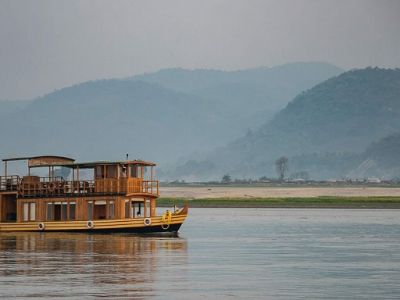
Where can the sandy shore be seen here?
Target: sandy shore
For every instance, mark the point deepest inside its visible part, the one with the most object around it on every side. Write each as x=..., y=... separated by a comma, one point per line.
x=275, y=192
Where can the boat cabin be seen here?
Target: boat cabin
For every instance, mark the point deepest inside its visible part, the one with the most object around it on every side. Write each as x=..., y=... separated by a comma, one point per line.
x=57, y=188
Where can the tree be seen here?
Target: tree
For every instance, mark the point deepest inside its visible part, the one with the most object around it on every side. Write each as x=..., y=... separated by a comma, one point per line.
x=282, y=166
x=226, y=178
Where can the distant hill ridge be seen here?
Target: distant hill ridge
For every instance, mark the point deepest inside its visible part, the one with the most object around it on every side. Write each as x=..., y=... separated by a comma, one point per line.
x=163, y=116
x=344, y=114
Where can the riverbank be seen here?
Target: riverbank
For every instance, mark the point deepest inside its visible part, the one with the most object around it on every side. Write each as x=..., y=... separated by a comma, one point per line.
x=252, y=192
x=376, y=202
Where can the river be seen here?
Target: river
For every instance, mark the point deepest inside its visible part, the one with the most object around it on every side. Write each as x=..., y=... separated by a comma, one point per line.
x=234, y=253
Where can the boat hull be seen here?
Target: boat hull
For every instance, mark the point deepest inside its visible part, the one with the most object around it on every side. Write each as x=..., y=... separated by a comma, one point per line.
x=134, y=225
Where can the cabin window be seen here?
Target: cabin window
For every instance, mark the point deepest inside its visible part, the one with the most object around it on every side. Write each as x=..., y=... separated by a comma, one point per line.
x=90, y=210
x=99, y=172
x=64, y=206
x=111, y=171
x=32, y=212
x=50, y=211
x=127, y=209
x=137, y=210
x=147, y=206
x=136, y=171
x=99, y=211
x=144, y=171
x=123, y=171
x=26, y=211
x=29, y=210
x=72, y=207
x=57, y=211
x=111, y=209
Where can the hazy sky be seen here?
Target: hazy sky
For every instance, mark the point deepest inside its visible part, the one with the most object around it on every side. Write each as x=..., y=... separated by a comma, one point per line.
x=45, y=45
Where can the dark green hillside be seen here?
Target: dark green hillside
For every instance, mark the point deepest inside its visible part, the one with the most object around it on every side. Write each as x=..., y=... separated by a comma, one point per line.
x=344, y=114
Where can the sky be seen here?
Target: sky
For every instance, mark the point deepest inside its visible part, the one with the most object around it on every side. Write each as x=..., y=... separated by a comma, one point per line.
x=48, y=45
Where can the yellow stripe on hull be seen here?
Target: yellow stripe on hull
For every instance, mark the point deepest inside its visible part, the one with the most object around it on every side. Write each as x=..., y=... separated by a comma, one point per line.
x=136, y=223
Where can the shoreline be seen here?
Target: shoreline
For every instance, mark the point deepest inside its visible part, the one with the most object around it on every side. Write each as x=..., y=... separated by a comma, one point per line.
x=383, y=202
x=276, y=192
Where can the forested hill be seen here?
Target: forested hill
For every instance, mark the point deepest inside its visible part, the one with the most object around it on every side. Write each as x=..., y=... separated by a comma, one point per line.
x=343, y=114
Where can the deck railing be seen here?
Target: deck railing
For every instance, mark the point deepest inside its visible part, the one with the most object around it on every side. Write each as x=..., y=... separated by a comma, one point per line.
x=9, y=183
x=34, y=186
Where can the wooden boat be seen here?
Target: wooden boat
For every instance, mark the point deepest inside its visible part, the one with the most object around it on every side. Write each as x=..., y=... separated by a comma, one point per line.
x=103, y=196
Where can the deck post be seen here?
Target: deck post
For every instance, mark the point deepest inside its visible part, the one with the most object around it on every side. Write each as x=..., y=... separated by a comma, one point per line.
x=118, y=170
x=5, y=169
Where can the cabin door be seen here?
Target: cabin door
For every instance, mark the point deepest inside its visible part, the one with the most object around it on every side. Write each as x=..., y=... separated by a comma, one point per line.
x=8, y=208
x=137, y=209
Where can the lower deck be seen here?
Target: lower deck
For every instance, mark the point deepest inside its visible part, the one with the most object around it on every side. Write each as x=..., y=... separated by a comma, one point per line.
x=100, y=214
x=20, y=210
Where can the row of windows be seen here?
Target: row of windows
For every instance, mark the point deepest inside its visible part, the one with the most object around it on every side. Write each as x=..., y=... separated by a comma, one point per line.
x=134, y=209
x=96, y=210
x=29, y=213
x=60, y=211
x=112, y=171
x=101, y=209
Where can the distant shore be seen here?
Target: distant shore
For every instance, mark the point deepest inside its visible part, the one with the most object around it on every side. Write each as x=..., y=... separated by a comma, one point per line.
x=290, y=202
x=250, y=192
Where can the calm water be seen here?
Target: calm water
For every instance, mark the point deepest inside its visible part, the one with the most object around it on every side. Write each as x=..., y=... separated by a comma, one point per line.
x=220, y=253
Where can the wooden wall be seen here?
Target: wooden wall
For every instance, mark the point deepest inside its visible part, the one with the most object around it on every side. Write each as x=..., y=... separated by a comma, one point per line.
x=81, y=212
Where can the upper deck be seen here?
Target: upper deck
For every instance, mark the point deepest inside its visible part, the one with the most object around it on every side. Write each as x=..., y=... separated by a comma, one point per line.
x=130, y=178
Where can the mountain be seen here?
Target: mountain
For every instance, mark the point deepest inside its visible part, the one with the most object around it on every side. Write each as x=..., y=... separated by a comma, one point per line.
x=245, y=98
x=381, y=159
x=338, y=117
x=162, y=116
x=8, y=107
x=108, y=118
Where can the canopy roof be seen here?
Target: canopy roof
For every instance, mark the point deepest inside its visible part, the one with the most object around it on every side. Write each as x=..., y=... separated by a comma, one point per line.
x=43, y=160
x=62, y=161
x=41, y=157
x=92, y=164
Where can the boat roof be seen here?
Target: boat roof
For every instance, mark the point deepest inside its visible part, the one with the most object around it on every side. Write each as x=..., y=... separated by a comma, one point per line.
x=62, y=161
x=39, y=157
x=92, y=164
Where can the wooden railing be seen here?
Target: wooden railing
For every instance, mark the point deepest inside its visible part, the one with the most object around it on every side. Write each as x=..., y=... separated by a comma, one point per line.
x=138, y=185
x=33, y=186
x=9, y=183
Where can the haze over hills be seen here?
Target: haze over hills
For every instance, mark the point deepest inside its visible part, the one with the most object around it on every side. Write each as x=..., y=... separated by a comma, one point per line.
x=325, y=130
x=8, y=107
x=161, y=116
x=245, y=98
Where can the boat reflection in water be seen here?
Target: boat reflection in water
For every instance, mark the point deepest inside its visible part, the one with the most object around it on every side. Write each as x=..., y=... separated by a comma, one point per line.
x=73, y=264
